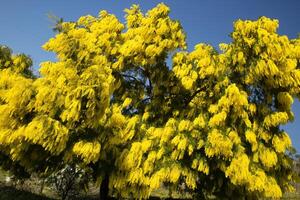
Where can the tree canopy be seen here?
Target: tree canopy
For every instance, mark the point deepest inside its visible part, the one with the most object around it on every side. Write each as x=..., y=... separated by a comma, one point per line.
x=209, y=120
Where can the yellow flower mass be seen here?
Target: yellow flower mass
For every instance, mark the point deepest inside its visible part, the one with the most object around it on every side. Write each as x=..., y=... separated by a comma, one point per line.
x=112, y=103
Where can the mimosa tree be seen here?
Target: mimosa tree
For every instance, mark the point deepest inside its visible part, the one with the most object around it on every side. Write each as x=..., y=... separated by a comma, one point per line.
x=111, y=103
x=15, y=95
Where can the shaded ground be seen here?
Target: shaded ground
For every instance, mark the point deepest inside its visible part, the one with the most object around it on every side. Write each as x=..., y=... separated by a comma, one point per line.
x=10, y=193
x=29, y=190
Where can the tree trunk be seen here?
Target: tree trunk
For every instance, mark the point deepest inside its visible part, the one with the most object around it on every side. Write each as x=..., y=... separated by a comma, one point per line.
x=104, y=188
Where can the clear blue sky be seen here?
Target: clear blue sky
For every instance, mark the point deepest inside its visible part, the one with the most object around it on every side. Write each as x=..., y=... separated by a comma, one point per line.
x=25, y=26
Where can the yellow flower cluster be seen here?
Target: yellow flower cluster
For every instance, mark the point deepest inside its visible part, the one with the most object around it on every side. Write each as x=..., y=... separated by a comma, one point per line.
x=267, y=157
x=158, y=178
x=201, y=165
x=256, y=180
x=277, y=55
x=88, y=151
x=150, y=35
x=133, y=158
x=198, y=64
x=148, y=165
x=199, y=122
x=218, y=119
x=281, y=142
x=181, y=144
x=234, y=99
x=285, y=100
x=260, y=182
x=185, y=125
x=276, y=119
x=251, y=138
x=234, y=137
x=75, y=39
x=16, y=96
x=175, y=173
x=218, y=144
x=238, y=170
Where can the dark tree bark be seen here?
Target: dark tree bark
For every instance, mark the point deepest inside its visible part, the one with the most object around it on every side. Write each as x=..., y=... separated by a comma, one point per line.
x=104, y=188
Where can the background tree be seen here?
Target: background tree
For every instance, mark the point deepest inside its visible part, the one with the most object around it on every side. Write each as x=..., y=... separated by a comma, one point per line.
x=15, y=95
x=111, y=104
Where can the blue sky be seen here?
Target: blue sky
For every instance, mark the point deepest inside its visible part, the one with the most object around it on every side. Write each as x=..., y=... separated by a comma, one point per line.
x=25, y=25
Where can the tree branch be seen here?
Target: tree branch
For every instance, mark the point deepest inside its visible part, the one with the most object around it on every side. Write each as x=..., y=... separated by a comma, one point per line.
x=192, y=97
